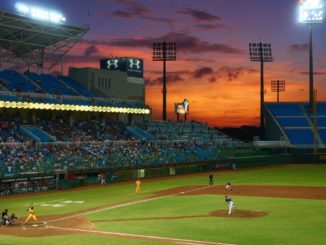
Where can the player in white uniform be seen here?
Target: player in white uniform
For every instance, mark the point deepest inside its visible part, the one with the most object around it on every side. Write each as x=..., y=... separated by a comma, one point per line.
x=230, y=203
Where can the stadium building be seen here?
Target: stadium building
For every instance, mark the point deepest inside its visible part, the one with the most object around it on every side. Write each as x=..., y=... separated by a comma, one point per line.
x=120, y=78
x=71, y=129
x=63, y=131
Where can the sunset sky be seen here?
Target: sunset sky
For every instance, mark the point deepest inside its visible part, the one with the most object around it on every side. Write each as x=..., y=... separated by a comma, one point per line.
x=213, y=70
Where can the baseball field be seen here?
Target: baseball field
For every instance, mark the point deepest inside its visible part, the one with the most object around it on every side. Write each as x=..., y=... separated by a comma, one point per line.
x=284, y=204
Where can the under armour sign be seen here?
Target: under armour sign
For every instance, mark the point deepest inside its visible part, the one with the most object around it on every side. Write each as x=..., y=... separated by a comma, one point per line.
x=134, y=64
x=113, y=64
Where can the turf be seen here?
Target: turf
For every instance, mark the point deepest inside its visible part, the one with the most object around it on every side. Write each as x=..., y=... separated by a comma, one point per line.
x=289, y=221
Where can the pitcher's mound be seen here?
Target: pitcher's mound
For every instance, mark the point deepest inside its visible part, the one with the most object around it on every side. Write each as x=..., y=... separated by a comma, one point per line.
x=238, y=213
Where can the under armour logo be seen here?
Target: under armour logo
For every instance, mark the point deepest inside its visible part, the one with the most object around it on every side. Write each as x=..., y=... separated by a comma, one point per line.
x=113, y=64
x=134, y=64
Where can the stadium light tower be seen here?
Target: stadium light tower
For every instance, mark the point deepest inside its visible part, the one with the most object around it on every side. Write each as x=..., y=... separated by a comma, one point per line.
x=261, y=52
x=278, y=86
x=311, y=12
x=164, y=51
x=39, y=13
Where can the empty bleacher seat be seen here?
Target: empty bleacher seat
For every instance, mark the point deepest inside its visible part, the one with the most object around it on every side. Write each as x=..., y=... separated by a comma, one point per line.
x=282, y=109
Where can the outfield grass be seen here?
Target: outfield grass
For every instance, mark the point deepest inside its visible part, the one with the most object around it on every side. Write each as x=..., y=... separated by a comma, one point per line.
x=289, y=221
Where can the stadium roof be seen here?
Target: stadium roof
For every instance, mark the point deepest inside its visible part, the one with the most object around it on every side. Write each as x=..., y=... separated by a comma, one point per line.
x=24, y=40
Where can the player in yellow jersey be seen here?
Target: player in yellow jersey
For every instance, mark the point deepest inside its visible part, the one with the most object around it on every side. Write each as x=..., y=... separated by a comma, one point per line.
x=31, y=214
x=138, y=182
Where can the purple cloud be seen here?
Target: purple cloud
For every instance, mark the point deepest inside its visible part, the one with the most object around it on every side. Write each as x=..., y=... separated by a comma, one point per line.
x=207, y=27
x=91, y=49
x=171, y=77
x=199, y=73
x=185, y=43
x=233, y=73
x=199, y=15
x=138, y=10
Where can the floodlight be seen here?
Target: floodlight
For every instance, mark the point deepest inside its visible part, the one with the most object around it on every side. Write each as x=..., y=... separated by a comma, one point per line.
x=40, y=13
x=260, y=52
x=278, y=86
x=22, y=8
x=164, y=51
x=311, y=11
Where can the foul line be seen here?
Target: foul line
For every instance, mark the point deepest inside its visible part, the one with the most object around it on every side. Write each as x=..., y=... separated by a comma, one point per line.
x=127, y=235
x=125, y=204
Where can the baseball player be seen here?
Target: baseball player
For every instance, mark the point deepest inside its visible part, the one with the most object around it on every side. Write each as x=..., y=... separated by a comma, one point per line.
x=4, y=217
x=31, y=214
x=228, y=187
x=138, y=182
x=11, y=219
x=210, y=177
x=230, y=203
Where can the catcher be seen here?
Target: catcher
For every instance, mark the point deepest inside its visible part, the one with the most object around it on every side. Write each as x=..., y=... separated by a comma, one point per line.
x=31, y=214
x=11, y=219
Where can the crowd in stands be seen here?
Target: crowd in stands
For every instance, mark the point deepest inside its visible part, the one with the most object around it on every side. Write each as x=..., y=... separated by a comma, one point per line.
x=27, y=159
x=9, y=131
x=96, y=143
x=82, y=130
x=90, y=144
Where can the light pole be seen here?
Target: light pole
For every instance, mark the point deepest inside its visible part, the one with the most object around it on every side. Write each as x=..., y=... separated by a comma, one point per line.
x=164, y=51
x=311, y=12
x=261, y=52
x=278, y=86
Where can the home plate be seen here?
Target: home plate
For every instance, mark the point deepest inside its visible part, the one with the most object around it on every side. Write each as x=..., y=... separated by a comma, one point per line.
x=35, y=225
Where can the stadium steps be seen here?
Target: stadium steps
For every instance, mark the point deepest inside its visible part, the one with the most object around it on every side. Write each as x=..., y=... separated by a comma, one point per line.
x=70, y=87
x=39, y=133
x=277, y=123
x=139, y=133
x=34, y=83
x=25, y=132
x=77, y=86
x=3, y=88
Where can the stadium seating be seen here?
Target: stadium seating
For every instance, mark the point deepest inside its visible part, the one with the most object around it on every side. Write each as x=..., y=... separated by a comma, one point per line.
x=16, y=82
x=285, y=109
x=46, y=88
x=139, y=133
x=88, y=144
x=296, y=120
x=82, y=90
x=293, y=122
x=188, y=131
x=51, y=84
x=32, y=144
x=300, y=136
